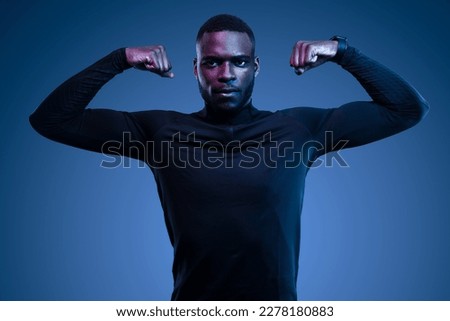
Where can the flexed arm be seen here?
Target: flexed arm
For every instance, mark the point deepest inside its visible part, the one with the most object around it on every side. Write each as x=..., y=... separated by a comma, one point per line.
x=63, y=115
x=395, y=104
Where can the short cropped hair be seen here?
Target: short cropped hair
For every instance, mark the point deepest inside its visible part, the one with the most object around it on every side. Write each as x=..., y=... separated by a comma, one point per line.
x=226, y=22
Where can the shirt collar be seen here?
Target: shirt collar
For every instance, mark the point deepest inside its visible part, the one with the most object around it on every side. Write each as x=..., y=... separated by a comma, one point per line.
x=242, y=115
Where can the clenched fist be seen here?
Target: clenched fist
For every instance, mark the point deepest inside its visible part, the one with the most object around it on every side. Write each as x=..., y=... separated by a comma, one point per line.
x=151, y=58
x=310, y=54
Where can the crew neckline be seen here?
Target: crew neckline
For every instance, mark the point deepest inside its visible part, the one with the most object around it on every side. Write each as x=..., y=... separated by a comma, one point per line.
x=242, y=115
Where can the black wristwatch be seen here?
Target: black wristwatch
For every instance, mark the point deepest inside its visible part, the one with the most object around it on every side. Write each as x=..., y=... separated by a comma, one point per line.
x=342, y=47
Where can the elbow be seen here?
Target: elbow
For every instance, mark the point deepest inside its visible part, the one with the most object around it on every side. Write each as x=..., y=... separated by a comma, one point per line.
x=422, y=109
x=415, y=112
x=42, y=125
x=35, y=123
x=409, y=115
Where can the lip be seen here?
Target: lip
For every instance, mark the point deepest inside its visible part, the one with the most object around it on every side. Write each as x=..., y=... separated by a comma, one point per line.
x=225, y=90
x=227, y=94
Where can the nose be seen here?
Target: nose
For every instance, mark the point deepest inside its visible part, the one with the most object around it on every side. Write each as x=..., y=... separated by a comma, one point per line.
x=226, y=72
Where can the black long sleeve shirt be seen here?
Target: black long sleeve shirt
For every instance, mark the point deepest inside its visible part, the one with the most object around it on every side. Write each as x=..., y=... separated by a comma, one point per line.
x=231, y=188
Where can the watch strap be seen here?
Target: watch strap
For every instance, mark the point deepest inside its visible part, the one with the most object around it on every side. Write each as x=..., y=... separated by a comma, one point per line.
x=341, y=49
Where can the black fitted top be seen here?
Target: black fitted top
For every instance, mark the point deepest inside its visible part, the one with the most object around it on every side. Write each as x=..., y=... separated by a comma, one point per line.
x=231, y=186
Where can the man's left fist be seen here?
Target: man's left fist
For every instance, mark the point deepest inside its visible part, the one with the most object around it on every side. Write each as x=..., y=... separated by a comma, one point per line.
x=310, y=54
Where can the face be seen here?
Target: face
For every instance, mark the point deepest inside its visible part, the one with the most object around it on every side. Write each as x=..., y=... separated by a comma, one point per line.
x=225, y=68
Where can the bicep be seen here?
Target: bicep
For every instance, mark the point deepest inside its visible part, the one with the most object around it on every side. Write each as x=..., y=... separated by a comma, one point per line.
x=359, y=123
x=99, y=130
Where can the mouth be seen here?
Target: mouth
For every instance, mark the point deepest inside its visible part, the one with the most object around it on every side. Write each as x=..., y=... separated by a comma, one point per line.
x=225, y=92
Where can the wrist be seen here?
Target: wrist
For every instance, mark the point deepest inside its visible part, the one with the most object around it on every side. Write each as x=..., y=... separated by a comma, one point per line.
x=342, y=45
x=128, y=56
x=120, y=59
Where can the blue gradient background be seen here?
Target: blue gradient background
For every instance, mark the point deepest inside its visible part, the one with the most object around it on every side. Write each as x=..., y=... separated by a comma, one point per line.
x=70, y=230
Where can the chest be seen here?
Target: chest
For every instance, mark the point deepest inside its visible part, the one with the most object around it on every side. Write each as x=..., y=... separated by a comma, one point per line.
x=270, y=144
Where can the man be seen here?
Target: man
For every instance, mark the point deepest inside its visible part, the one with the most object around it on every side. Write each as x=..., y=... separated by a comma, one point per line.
x=230, y=177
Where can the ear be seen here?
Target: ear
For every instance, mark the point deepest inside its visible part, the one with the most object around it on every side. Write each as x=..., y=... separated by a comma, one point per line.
x=256, y=62
x=195, y=68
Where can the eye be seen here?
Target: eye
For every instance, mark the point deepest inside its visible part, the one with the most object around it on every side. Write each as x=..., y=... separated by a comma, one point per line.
x=240, y=62
x=210, y=63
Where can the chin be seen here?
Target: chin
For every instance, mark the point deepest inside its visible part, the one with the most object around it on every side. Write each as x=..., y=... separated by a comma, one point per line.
x=227, y=107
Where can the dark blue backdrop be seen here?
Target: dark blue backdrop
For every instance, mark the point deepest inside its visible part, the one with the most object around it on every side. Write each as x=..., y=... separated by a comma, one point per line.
x=71, y=230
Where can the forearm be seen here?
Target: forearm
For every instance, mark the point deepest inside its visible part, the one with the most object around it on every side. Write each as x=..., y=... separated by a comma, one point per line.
x=385, y=87
x=69, y=100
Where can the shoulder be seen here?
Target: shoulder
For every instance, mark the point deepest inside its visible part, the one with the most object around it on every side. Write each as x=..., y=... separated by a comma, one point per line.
x=156, y=117
x=158, y=113
x=310, y=118
x=150, y=121
x=304, y=114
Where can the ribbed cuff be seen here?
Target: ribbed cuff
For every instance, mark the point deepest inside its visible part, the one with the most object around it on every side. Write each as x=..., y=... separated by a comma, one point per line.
x=120, y=59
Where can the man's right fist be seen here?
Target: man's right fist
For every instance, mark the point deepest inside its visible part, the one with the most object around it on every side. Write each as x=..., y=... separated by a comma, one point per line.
x=151, y=58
